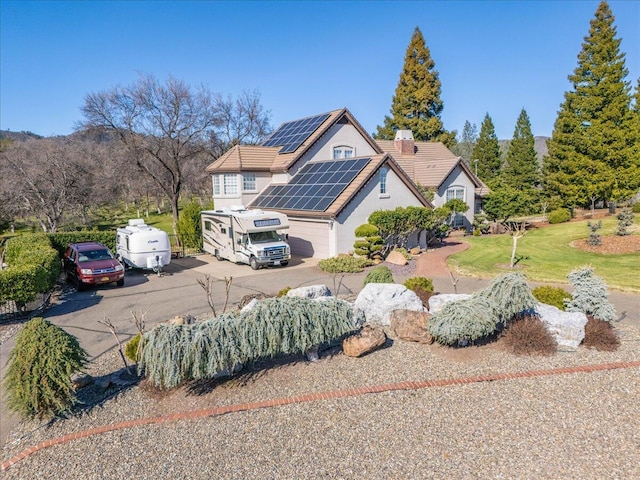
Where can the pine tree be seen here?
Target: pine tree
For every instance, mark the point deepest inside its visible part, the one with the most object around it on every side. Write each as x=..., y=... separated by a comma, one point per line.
x=467, y=141
x=487, y=151
x=521, y=169
x=593, y=152
x=416, y=104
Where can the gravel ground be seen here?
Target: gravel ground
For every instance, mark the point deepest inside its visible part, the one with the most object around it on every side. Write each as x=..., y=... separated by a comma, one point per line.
x=584, y=425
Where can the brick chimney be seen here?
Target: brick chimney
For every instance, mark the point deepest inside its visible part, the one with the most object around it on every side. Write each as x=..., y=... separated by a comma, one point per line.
x=404, y=142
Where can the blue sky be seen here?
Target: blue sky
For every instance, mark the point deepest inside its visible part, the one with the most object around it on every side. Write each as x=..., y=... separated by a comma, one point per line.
x=303, y=57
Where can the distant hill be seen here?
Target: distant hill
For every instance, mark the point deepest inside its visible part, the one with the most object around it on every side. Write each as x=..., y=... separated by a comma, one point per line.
x=540, y=146
x=18, y=136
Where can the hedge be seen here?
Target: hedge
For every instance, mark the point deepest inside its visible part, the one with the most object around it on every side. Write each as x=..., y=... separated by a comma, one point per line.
x=34, y=268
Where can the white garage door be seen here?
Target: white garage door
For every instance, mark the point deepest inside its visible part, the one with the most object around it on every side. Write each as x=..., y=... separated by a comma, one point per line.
x=309, y=239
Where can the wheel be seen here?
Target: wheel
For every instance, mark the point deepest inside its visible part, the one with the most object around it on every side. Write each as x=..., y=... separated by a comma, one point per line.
x=120, y=282
x=217, y=254
x=254, y=263
x=79, y=285
x=285, y=263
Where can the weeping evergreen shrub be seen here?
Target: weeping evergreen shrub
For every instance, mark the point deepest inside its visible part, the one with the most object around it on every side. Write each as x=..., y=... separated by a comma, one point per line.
x=464, y=321
x=589, y=295
x=38, y=380
x=174, y=354
x=511, y=294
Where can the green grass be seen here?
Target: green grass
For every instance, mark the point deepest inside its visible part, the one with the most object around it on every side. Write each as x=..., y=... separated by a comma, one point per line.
x=547, y=256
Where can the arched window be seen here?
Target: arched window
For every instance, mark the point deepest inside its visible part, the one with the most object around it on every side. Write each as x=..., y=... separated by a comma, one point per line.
x=383, y=180
x=343, y=151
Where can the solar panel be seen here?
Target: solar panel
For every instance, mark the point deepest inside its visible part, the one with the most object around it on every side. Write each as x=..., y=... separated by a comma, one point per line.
x=314, y=187
x=291, y=135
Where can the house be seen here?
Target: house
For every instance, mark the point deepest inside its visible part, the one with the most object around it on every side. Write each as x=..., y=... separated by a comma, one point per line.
x=433, y=166
x=328, y=175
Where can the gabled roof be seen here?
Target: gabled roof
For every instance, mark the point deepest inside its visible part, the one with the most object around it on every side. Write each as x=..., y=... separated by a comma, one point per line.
x=259, y=158
x=284, y=161
x=244, y=157
x=431, y=163
x=349, y=193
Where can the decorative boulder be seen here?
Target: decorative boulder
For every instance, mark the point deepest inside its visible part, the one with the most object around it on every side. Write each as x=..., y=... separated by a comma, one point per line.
x=566, y=327
x=251, y=305
x=396, y=258
x=312, y=291
x=411, y=326
x=366, y=340
x=436, y=302
x=378, y=300
x=182, y=320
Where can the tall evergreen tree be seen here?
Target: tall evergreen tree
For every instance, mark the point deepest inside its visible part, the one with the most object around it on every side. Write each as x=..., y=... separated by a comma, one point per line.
x=464, y=146
x=521, y=169
x=593, y=152
x=487, y=152
x=416, y=104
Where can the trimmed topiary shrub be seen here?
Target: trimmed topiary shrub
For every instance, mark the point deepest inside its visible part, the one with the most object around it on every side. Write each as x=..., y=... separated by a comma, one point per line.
x=555, y=296
x=595, y=239
x=559, y=215
x=379, y=274
x=600, y=335
x=174, y=354
x=368, y=242
x=38, y=380
x=529, y=336
x=589, y=295
x=511, y=294
x=465, y=321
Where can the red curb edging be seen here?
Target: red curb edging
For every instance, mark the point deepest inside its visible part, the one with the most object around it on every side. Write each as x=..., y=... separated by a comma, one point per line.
x=353, y=392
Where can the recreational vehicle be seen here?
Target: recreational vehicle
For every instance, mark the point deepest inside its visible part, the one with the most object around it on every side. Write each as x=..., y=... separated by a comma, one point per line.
x=246, y=236
x=142, y=246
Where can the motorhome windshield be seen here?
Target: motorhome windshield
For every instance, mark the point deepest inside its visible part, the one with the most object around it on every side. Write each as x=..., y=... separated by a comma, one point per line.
x=264, y=237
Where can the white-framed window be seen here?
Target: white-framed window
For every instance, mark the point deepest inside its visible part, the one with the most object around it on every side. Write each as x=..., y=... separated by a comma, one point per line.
x=383, y=181
x=230, y=184
x=249, y=182
x=216, y=184
x=343, y=151
x=456, y=192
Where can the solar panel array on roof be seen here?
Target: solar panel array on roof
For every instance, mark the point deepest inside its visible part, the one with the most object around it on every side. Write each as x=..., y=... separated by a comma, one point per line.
x=314, y=187
x=292, y=134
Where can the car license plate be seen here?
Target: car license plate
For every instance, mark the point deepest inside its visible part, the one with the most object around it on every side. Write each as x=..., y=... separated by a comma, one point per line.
x=276, y=262
x=104, y=279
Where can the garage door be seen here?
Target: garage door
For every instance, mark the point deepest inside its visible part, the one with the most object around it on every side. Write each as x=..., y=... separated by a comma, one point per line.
x=309, y=239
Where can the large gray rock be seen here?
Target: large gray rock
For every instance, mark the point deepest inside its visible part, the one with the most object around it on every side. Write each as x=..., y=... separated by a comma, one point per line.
x=566, y=327
x=312, y=291
x=378, y=300
x=436, y=302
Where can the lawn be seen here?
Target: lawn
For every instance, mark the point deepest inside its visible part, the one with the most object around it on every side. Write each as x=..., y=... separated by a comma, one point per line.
x=547, y=256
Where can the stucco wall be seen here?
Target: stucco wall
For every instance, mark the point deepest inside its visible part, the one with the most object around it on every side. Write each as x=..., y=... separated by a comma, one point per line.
x=458, y=178
x=366, y=201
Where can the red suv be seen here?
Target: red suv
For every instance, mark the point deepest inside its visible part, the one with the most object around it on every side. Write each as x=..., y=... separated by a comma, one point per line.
x=91, y=263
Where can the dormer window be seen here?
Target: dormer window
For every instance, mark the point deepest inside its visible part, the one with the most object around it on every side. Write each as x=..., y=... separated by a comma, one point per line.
x=342, y=151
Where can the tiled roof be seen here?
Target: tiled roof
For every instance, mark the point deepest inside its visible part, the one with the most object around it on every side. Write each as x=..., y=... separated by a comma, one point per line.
x=245, y=157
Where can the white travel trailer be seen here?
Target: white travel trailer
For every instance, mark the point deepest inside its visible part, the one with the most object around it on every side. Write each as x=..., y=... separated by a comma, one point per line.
x=246, y=236
x=142, y=246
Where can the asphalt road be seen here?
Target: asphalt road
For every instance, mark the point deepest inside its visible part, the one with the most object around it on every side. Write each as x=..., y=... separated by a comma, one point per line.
x=177, y=292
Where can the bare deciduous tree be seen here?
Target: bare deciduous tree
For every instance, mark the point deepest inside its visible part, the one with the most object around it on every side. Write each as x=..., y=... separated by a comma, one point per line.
x=46, y=178
x=171, y=129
